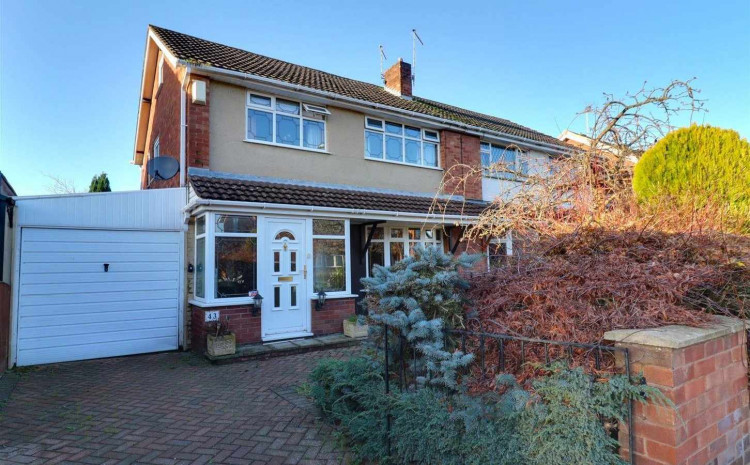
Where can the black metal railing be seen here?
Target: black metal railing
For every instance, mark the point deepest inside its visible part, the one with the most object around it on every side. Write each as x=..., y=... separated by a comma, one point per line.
x=513, y=355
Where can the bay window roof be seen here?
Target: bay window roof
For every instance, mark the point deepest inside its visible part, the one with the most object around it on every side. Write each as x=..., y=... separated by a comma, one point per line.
x=211, y=187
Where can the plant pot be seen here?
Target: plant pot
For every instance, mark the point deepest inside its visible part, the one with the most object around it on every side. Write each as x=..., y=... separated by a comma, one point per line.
x=221, y=345
x=354, y=330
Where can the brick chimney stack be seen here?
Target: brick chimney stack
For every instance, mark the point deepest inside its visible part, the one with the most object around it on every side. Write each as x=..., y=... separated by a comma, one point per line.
x=398, y=79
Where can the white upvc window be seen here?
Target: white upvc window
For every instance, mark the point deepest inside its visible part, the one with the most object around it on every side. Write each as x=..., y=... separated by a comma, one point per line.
x=498, y=251
x=330, y=246
x=401, y=143
x=495, y=158
x=391, y=244
x=287, y=123
x=226, y=251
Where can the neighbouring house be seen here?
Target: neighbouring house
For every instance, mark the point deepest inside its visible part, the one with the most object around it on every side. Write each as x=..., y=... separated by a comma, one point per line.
x=300, y=181
x=6, y=246
x=582, y=142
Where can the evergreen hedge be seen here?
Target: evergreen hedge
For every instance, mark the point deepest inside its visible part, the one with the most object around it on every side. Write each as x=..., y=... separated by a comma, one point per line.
x=699, y=162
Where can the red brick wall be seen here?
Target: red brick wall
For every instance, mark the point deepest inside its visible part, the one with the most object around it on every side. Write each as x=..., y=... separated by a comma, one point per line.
x=709, y=423
x=4, y=325
x=246, y=327
x=330, y=319
x=458, y=154
x=242, y=323
x=164, y=122
x=198, y=130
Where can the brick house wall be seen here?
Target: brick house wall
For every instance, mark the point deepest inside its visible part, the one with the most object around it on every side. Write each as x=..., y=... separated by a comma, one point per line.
x=164, y=123
x=330, y=319
x=458, y=154
x=246, y=326
x=198, y=127
x=4, y=325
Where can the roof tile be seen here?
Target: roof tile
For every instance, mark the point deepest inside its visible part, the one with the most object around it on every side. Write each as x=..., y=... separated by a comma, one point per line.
x=186, y=47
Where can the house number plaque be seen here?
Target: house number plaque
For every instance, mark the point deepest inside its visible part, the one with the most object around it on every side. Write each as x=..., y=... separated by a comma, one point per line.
x=212, y=316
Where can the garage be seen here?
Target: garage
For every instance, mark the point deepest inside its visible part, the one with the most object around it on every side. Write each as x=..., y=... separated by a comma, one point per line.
x=94, y=291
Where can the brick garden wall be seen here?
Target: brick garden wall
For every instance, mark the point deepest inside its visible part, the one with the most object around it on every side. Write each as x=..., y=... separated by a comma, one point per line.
x=708, y=383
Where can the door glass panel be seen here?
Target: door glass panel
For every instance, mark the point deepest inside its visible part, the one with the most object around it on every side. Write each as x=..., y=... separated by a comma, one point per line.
x=293, y=261
x=293, y=295
x=276, y=297
x=284, y=235
x=276, y=262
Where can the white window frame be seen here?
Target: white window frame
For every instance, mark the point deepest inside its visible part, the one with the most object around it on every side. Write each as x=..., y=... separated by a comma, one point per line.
x=423, y=139
x=272, y=109
x=347, y=257
x=507, y=240
x=520, y=163
x=387, y=240
x=210, y=236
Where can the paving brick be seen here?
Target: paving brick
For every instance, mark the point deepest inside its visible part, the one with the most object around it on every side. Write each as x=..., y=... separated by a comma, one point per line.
x=169, y=408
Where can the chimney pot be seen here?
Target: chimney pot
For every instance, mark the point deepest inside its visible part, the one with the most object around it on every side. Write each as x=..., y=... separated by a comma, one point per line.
x=398, y=79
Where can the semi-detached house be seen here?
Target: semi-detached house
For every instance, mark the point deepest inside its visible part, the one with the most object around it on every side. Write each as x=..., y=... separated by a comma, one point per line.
x=300, y=181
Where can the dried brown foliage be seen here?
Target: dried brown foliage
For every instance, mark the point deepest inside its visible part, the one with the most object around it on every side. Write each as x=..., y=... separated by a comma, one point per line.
x=591, y=258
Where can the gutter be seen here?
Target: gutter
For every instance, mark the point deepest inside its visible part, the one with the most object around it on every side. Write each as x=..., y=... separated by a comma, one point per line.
x=187, y=209
x=336, y=97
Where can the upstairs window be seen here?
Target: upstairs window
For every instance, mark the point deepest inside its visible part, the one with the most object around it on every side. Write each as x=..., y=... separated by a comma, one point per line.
x=285, y=122
x=496, y=159
x=399, y=143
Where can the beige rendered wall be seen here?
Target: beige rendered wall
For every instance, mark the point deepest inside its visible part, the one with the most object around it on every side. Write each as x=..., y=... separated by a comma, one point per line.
x=345, y=164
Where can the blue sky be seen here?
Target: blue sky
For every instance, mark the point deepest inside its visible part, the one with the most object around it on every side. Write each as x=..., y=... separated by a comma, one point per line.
x=70, y=71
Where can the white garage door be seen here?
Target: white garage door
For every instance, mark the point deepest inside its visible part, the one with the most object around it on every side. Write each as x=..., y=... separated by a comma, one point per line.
x=71, y=308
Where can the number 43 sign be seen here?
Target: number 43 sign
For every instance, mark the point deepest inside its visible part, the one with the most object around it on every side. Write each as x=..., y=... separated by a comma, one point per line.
x=212, y=316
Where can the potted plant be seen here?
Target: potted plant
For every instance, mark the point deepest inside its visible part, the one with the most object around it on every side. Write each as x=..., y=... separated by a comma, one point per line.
x=353, y=329
x=220, y=340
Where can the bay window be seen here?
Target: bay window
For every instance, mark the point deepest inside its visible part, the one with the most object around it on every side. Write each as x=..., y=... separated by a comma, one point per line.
x=285, y=122
x=496, y=159
x=390, y=245
x=399, y=143
x=230, y=244
x=329, y=255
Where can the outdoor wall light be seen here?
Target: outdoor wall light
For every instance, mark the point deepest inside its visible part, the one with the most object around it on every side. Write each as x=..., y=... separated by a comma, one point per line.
x=321, y=301
x=257, y=303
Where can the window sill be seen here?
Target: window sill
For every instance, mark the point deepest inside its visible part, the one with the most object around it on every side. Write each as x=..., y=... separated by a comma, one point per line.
x=284, y=146
x=378, y=160
x=232, y=303
x=334, y=296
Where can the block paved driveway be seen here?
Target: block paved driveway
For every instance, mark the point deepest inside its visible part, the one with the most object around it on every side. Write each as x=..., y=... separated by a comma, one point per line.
x=168, y=408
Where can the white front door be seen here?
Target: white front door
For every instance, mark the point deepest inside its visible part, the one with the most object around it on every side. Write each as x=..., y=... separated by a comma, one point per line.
x=286, y=308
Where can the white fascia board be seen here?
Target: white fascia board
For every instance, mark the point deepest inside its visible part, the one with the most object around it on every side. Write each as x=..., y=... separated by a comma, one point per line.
x=202, y=205
x=361, y=105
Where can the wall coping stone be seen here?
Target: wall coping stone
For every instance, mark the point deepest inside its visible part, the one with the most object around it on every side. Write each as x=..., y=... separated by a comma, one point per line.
x=677, y=336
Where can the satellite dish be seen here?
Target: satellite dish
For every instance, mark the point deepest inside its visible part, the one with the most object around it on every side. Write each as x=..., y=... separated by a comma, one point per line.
x=163, y=168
